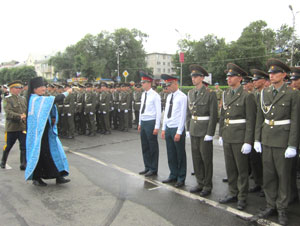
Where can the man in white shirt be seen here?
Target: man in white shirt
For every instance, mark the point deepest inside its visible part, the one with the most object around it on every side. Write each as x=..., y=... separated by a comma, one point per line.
x=149, y=123
x=173, y=131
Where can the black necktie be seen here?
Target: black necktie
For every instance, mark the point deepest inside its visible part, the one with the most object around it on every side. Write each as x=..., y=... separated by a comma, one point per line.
x=275, y=91
x=144, y=105
x=170, y=107
x=196, y=94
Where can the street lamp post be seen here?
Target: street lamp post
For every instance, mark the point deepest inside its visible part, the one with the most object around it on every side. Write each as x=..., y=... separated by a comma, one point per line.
x=293, y=35
x=118, y=59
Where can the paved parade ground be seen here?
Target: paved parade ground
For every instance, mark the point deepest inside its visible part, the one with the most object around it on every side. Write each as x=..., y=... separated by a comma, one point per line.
x=106, y=189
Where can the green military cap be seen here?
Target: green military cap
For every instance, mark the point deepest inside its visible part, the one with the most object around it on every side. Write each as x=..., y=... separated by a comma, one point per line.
x=276, y=66
x=16, y=84
x=246, y=80
x=59, y=86
x=103, y=84
x=81, y=85
x=88, y=85
x=109, y=86
x=67, y=85
x=117, y=85
x=197, y=70
x=234, y=70
x=138, y=85
x=258, y=74
x=295, y=73
x=50, y=85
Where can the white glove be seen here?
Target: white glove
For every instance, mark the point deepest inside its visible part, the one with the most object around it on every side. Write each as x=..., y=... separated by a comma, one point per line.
x=69, y=114
x=119, y=110
x=62, y=114
x=104, y=112
x=91, y=113
x=187, y=134
x=126, y=111
x=112, y=108
x=246, y=148
x=99, y=112
x=257, y=146
x=290, y=153
x=84, y=113
x=221, y=141
x=208, y=138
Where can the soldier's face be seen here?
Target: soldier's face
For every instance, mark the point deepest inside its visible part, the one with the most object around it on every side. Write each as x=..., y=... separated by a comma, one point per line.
x=40, y=90
x=197, y=80
x=296, y=83
x=276, y=78
x=259, y=84
x=146, y=85
x=15, y=91
x=234, y=81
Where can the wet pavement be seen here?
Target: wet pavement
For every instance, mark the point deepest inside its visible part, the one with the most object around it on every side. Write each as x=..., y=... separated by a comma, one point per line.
x=106, y=189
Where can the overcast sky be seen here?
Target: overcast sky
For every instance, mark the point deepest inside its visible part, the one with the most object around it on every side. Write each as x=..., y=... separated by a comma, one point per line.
x=43, y=26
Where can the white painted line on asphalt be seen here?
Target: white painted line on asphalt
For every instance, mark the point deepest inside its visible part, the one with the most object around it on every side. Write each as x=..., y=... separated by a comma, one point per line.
x=187, y=194
x=151, y=189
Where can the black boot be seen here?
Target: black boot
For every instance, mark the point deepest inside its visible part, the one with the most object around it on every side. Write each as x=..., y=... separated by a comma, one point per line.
x=23, y=160
x=39, y=182
x=62, y=180
x=4, y=159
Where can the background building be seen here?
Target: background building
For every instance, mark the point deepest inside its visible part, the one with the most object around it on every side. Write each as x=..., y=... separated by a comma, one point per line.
x=161, y=63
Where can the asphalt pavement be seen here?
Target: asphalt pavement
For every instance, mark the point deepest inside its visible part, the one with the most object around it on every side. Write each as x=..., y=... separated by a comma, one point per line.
x=106, y=189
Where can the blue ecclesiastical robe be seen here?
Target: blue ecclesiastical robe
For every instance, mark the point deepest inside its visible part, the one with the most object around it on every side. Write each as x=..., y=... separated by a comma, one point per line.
x=40, y=111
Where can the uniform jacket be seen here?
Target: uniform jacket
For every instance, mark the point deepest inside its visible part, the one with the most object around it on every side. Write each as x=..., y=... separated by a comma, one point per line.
x=284, y=106
x=137, y=96
x=14, y=106
x=241, y=105
x=124, y=101
x=104, y=102
x=69, y=104
x=205, y=104
x=90, y=102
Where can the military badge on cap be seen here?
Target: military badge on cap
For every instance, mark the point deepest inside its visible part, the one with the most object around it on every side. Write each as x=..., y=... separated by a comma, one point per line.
x=234, y=70
x=277, y=66
x=197, y=70
x=258, y=74
x=295, y=73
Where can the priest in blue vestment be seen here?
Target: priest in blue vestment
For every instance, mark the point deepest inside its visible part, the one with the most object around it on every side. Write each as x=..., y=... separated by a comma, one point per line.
x=45, y=155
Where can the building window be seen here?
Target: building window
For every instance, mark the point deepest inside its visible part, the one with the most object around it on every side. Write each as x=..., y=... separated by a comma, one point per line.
x=164, y=63
x=164, y=70
x=169, y=70
x=164, y=57
x=158, y=70
x=169, y=64
x=158, y=62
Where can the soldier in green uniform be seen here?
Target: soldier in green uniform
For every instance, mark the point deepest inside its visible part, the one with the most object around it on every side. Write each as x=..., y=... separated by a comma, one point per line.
x=15, y=108
x=124, y=104
x=294, y=197
x=89, y=109
x=137, y=95
x=79, y=113
x=69, y=111
x=276, y=136
x=24, y=90
x=111, y=103
x=248, y=84
x=104, y=108
x=259, y=78
x=130, y=116
x=116, y=105
x=60, y=109
x=201, y=121
x=237, y=124
x=163, y=96
x=99, y=126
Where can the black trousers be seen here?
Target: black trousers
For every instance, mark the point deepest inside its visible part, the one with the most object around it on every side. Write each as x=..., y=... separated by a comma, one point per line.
x=11, y=138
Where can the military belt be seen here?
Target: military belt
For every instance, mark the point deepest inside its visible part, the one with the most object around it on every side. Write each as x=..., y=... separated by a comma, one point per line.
x=117, y=102
x=79, y=103
x=200, y=118
x=124, y=103
x=103, y=104
x=277, y=123
x=67, y=105
x=138, y=103
x=60, y=106
x=89, y=105
x=234, y=121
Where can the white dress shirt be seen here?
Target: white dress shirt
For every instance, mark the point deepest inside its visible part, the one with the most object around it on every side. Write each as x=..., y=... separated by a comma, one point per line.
x=153, y=108
x=178, y=117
